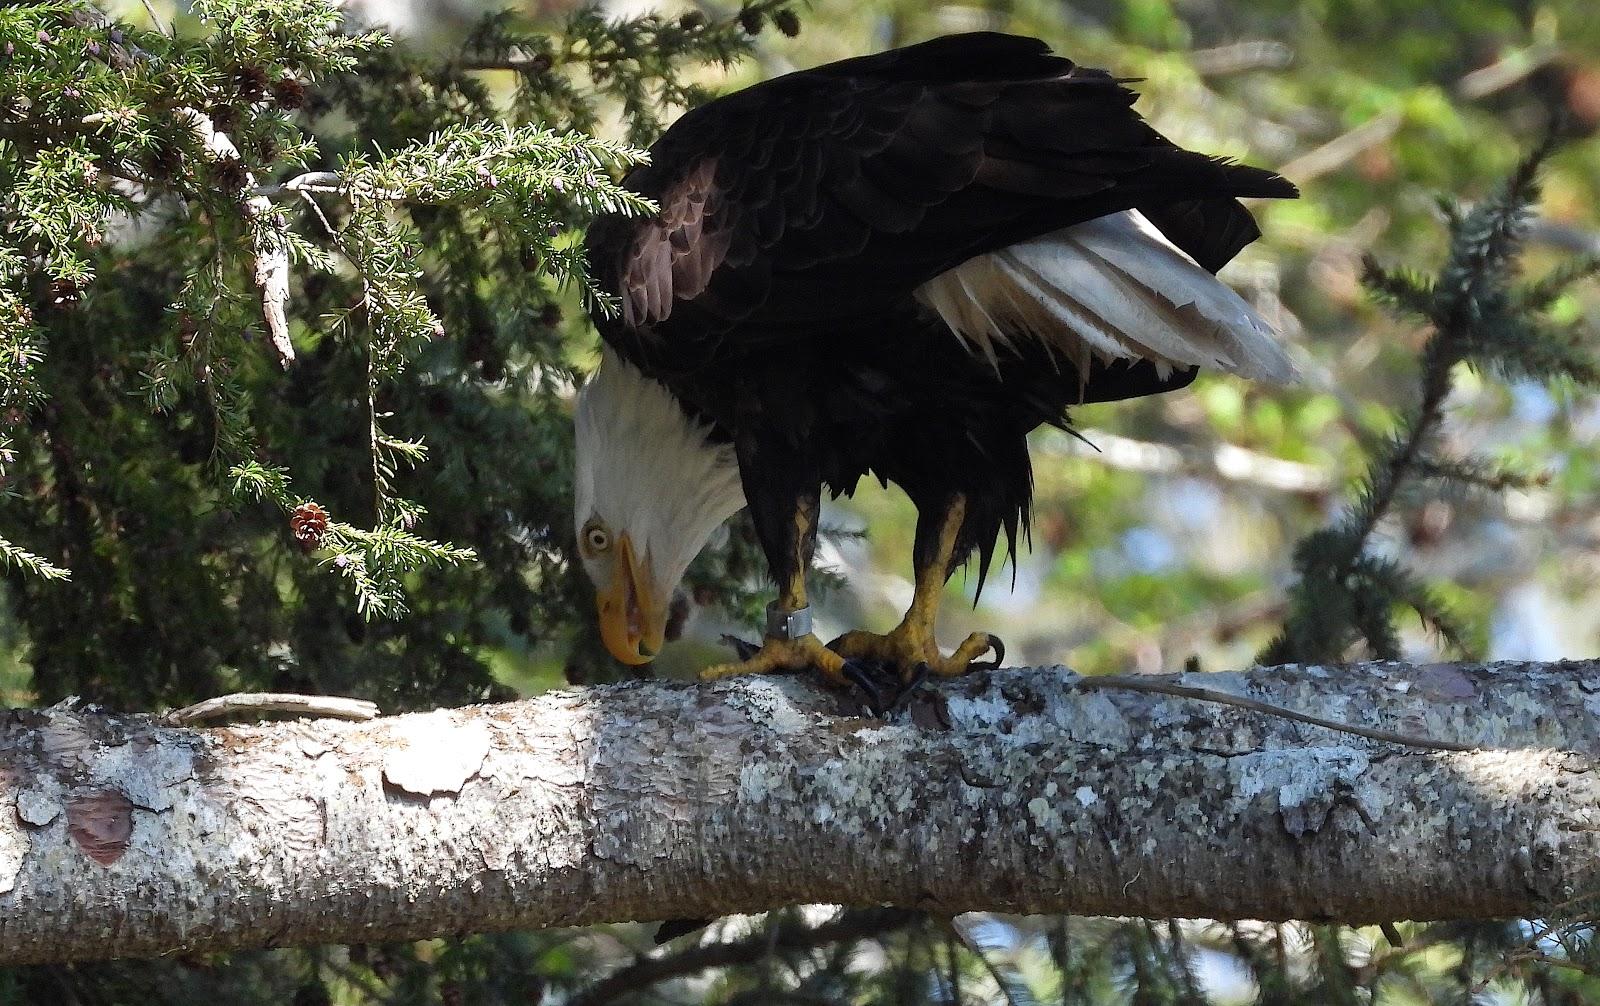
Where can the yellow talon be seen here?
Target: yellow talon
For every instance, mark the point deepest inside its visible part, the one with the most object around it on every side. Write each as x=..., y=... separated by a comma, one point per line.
x=907, y=647
x=910, y=648
x=775, y=655
x=911, y=644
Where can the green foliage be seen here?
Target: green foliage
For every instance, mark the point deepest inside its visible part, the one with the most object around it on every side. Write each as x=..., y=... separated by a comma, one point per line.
x=425, y=208
x=1480, y=318
x=254, y=266
x=135, y=132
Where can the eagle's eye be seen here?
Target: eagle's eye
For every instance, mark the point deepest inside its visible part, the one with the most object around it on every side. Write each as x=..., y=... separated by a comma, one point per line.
x=596, y=538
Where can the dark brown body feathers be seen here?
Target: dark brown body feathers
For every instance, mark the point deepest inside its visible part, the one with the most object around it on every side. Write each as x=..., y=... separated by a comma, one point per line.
x=773, y=295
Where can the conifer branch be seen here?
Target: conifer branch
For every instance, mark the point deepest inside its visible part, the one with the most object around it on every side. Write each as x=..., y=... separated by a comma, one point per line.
x=850, y=926
x=14, y=555
x=1481, y=318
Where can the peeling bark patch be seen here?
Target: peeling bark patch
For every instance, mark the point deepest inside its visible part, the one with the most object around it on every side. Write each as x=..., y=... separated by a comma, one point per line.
x=13, y=852
x=1445, y=683
x=436, y=754
x=36, y=808
x=101, y=823
x=65, y=742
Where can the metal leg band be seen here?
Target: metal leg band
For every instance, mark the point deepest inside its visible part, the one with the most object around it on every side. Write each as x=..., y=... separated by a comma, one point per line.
x=783, y=624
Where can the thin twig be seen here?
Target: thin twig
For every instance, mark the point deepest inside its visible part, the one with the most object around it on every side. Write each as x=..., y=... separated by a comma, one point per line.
x=1349, y=145
x=271, y=262
x=155, y=21
x=1342, y=149
x=1521, y=952
x=317, y=209
x=330, y=706
x=1129, y=683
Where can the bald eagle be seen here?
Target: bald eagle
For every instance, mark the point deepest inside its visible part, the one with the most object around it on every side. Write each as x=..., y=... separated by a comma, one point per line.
x=892, y=266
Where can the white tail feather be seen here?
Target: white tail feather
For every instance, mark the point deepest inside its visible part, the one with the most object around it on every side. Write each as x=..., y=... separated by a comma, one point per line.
x=1113, y=288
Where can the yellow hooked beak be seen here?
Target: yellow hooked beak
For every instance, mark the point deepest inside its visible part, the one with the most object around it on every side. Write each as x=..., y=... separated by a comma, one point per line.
x=633, y=621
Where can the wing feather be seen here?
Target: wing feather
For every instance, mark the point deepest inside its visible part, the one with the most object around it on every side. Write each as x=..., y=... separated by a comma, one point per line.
x=1114, y=288
x=831, y=194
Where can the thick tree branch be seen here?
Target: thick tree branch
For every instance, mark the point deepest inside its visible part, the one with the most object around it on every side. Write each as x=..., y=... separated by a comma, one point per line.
x=1014, y=791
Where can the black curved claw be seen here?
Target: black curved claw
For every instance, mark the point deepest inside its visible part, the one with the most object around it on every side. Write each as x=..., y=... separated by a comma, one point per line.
x=859, y=677
x=742, y=649
x=919, y=675
x=999, y=648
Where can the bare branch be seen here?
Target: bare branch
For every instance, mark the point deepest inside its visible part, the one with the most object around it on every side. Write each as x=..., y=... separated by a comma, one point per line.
x=1241, y=57
x=1507, y=71
x=1342, y=149
x=1236, y=464
x=309, y=181
x=272, y=702
x=155, y=20
x=271, y=267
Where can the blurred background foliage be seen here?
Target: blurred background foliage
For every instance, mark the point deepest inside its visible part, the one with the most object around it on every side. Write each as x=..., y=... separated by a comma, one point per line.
x=1170, y=542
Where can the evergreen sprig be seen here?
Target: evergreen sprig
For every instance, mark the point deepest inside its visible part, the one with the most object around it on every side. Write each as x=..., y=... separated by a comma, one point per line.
x=98, y=125
x=1483, y=318
x=638, y=63
x=100, y=122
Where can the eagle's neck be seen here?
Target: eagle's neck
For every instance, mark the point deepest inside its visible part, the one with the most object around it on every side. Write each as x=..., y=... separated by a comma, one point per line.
x=645, y=467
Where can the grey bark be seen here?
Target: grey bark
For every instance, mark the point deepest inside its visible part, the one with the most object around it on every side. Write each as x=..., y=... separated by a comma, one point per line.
x=1010, y=791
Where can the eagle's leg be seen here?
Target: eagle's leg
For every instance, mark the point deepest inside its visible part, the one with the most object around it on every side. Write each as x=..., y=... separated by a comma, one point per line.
x=785, y=653
x=911, y=646
x=789, y=644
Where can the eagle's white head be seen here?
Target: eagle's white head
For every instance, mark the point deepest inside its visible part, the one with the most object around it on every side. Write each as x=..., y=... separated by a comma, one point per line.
x=650, y=488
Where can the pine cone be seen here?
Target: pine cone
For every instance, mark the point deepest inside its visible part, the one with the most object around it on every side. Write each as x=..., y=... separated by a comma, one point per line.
x=230, y=173
x=308, y=524
x=289, y=93
x=223, y=116
x=166, y=159
x=787, y=22
x=251, y=82
x=64, y=292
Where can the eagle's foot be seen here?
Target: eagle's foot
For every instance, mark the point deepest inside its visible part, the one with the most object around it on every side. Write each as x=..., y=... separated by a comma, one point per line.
x=912, y=651
x=777, y=655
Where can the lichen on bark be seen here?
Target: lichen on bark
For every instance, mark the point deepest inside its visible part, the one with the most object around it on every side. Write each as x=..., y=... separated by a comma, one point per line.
x=1011, y=791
